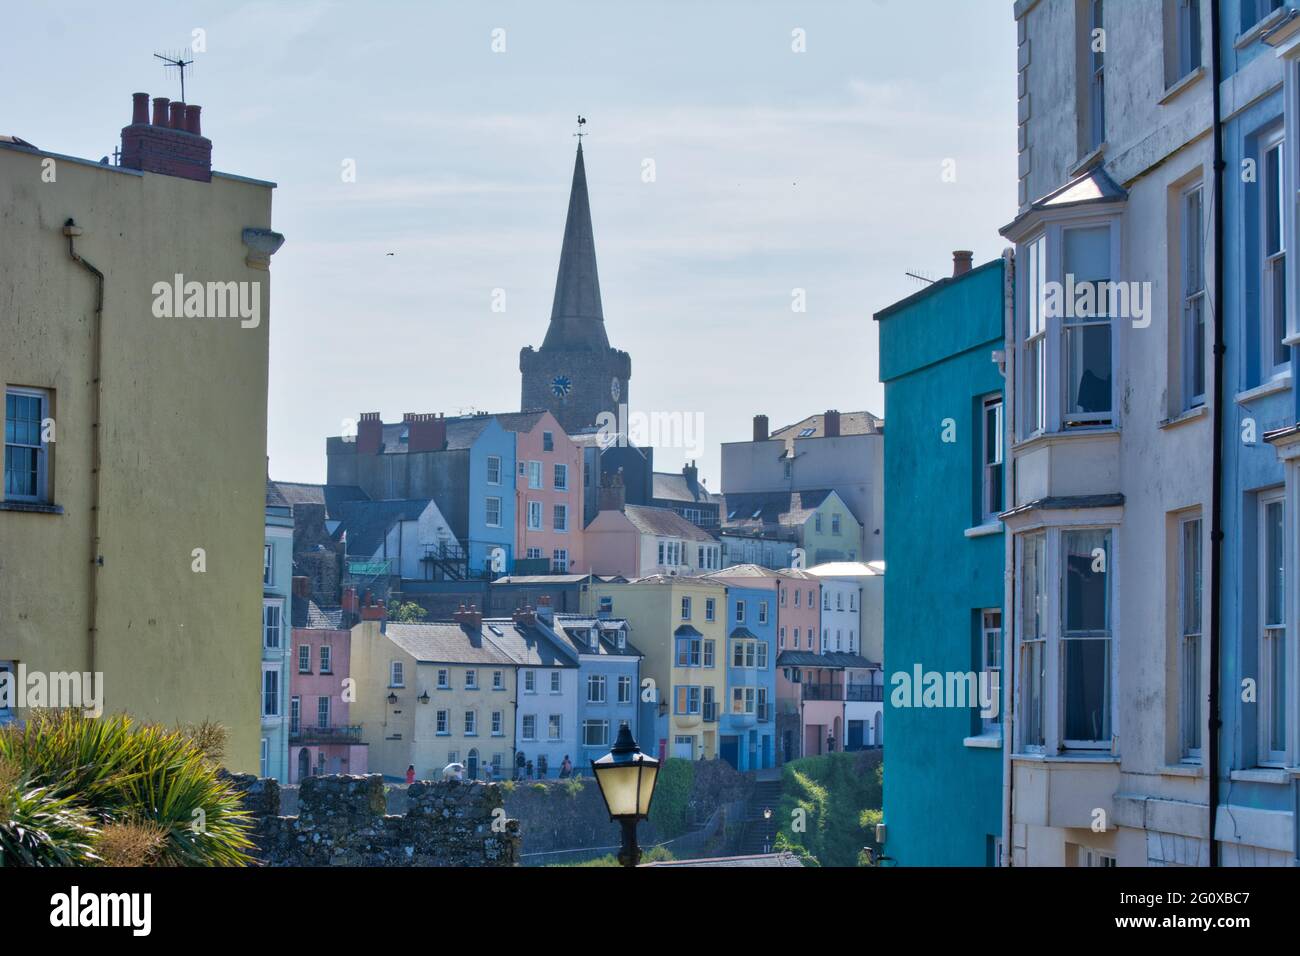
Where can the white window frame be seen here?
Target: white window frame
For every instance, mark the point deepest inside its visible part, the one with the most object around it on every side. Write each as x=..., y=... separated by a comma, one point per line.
x=528, y=727
x=560, y=519
x=396, y=674
x=1191, y=623
x=44, y=494
x=272, y=624
x=268, y=564
x=560, y=477
x=498, y=723
x=555, y=727
x=442, y=723
x=295, y=714
x=535, y=475
x=471, y=722
x=596, y=689
x=556, y=686
x=560, y=561
x=534, y=521
x=1273, y=636
x=624, y=689
x=444, y=679
x=493, y=469
x=991, y=459
x=326, y=659
x=1193, y=300
x=304, y=659
x=269, y=667
x=991, y=662
x=602, y=736
x=488, y=503
x=1273, y=265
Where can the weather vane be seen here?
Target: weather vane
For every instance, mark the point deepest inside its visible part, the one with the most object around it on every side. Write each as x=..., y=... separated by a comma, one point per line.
x=180, y=63
x=582, y=121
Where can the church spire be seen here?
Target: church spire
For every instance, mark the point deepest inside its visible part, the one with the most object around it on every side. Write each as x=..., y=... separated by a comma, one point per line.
x=577, y=320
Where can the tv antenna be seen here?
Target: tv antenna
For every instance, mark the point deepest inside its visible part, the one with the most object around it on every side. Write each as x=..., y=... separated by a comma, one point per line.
x=179, y=63
x=921, y=278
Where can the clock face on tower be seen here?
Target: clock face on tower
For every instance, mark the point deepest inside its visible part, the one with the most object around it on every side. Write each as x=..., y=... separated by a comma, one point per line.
x=615, y=389
x=561, y=385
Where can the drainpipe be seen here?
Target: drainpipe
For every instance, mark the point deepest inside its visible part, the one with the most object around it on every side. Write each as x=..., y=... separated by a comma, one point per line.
x=1216, y=470
x=1008, y=562
x=72, y=231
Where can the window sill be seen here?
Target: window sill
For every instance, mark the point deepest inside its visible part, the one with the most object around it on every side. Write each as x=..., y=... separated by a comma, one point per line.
x=1260, y=775
x=1078, y=756
x=1088, y=161
x=984, y=741
x=979, y=531
x=1260, y=28
x=1278, y=383
x=1178, y=86
x=1182, y=770
x=1068, y=434
x=1292, y=340
x=1191, y=415
x=31, y=507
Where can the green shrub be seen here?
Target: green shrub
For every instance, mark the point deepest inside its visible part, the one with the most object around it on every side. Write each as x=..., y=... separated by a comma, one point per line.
x=573, y=786
x=655, y=854
x=38, y=828
x=124, y=774
x=831, y=795
x=672, y=797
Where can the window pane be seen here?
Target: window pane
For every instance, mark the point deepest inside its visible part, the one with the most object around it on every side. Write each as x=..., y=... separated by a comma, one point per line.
x=1086, y=559
x=1087, y=704
x=1274, y=570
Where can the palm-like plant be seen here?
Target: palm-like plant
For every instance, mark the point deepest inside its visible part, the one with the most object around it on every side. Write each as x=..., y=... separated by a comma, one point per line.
x=38, y=829
x=119, y=772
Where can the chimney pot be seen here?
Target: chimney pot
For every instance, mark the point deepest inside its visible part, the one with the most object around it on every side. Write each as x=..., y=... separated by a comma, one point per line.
x=961, y=262
x=139, y=109
x=192, y=119
x=160, y=110
x=177, y=115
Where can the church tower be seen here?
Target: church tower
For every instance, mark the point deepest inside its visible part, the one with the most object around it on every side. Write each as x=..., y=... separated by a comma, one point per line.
x=576, y=374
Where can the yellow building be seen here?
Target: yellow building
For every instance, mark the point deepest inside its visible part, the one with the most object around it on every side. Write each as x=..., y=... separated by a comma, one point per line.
x=679, y=624
x=830, y=532
x=134, y=360
x=432, y=694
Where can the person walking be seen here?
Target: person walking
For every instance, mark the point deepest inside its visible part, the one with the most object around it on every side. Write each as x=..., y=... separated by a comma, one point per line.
x=410, y=774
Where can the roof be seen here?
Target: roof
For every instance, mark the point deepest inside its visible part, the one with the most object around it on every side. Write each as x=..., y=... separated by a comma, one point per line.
x=835, y=660
x=367, y=522
x=664, y=521
x=693, y=580
x=575, y=628
x=1094, y=186
x=545, y=578
x=848, y=569
x=577, y=319
x=331, y=496
x=686, y=630
x=743, y=571
x=743, y=633
x=309, y=614
x=462, y=432
x=445, y=642
x=529, y=646
x=932, y=288
x=274, y=498
x=851, y=423
x=799, y=573
x=672, y=486
x=757, y=859
x=520, y=421
x=769, y=509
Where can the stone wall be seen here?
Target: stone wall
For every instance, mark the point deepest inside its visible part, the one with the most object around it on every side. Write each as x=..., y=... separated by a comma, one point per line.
x=343, y=821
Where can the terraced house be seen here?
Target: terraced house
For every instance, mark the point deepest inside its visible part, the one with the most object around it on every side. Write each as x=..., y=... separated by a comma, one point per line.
x=679, y=624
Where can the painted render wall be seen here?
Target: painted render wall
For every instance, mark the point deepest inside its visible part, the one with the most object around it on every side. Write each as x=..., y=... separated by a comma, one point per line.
x=183, y=453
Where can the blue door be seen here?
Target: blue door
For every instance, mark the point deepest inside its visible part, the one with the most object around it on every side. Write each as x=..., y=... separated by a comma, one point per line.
x=730, y=751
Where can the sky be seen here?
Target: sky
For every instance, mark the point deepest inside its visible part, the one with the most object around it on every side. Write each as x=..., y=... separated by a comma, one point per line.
x=886, y=142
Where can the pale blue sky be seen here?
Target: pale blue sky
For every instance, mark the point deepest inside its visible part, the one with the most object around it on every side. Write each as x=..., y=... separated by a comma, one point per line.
x=775, y=170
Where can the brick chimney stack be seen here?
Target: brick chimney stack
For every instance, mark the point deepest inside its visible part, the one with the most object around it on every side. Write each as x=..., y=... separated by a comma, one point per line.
x=351, y=609
x=961, y=262
x=427, y=432
x=372, y=610
x=301, y=586
x=525, y=616
x=692, y=476
x=545, y=612
x=470, y=617
x=831, y=424
x=760, y=428
x=370, y=434
x=171, y=145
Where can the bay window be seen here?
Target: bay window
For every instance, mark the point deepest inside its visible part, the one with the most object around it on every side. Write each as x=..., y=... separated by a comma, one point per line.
x=1033, y=381
x=1086, y=332
x=1275, y=355
x=1033, y=639
x=1085, y=638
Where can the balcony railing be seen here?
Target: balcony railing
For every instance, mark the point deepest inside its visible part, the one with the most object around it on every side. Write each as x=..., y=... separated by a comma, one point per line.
x=326, y=735
x=823, y=691
x=865, y=692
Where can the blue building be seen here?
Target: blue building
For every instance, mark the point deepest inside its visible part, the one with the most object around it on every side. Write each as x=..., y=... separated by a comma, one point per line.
x=1255, y=818
x=944, y=550
x=609, y=680
x=747, y=728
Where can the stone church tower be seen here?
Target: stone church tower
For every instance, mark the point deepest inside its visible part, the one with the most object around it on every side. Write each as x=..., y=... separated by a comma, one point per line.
x=576, y=374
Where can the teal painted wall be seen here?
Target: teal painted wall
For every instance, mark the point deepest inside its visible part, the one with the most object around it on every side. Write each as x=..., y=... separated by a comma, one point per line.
x=942, y=798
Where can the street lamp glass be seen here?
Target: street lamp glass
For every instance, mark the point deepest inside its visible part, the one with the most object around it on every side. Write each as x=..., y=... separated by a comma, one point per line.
x=626, y=778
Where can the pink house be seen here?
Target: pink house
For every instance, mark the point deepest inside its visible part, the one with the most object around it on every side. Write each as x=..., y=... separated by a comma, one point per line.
x=548, y=494
x=809, y=698
x=321, y=739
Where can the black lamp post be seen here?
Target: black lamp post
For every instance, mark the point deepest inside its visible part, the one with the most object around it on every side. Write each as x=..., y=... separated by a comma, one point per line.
x=626, y=778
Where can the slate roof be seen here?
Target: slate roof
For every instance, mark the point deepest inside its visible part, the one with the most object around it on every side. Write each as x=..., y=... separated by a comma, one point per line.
x=835, y=660
x=520, y=421
x=528, y=646
x=753, y=510
x=664, y=521
x=462, y=432
x=331, y=496
x=686, y=630
x=851, y=423
x=368, y=522
x=309, y=614
x=577, y=284
x=744, y=634
x=574, y=630
x=743, y=571
x=274, y=497
x=446, y=642
x=673, y=486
